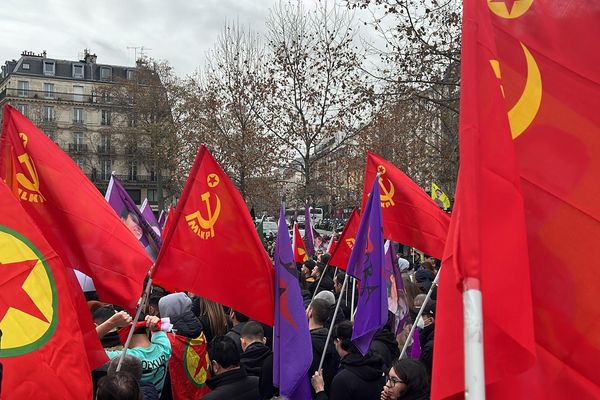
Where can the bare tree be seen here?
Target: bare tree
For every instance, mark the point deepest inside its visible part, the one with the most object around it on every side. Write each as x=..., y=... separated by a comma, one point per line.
x=320, y=99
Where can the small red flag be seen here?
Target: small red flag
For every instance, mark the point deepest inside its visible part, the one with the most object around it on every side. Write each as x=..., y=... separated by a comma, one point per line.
x=70, y=211
x=410, y=216
x=189, y=367
x=486, y=247
x=300, y=255
x=343, y=248
x=43, y=351
x=212, y=247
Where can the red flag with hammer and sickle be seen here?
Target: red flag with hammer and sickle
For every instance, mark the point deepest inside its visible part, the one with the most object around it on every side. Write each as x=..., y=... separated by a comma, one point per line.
x=410, y=216
x=212, y=248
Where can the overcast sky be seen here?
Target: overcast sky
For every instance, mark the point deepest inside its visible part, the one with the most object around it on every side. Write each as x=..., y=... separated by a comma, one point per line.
x=175, y=30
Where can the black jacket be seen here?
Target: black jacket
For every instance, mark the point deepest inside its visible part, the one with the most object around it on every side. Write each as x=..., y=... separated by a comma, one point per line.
x=253, y=358
x=148, y=391
x=426, y=339
x=332, y=360
x=360, y=378
x=326, y=284
x=385, y=346
x=233, y=385
x=236, y=334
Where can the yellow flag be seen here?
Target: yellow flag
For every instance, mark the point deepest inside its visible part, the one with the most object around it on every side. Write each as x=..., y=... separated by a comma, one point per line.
x=439, y=197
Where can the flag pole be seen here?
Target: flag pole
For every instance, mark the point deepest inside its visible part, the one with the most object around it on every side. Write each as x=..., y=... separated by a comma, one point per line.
x=414, y=325
x=337, y=307
x=138, y=312
x=473, y=337
x=319, y=282
x=352, y=311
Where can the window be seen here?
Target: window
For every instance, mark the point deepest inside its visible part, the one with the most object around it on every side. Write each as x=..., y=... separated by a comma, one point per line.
x=49, y=90
x=26, y=66
x=94, y=97
x=104, y=142
x=105, y=169
x=23, y=88
x=152, y=196
x=129, y=74
x=77, y=93
x=132, y=167
x=106, y=97
x=49, y=67
x=23, y=109
x=153, y=176
x=48, y=113
x=78, y=115
x=105, y=73
x=79, y=162
x=78, y=137
x=135, y=194
x=132, y=121
x=105, y=117
x=78, y=71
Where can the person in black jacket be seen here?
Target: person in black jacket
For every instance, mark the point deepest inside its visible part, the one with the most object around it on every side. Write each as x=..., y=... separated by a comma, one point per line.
x=360, y=377
x=406, y=380
x=238, y=320
x=318, y=313
x=255, y=351
x=426, y=335
x=385, y=345
x=229, y=380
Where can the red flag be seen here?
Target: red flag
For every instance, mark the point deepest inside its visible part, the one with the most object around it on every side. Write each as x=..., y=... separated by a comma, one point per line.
x=212, y=248
x=300, y=255
x=43, y=351
x=343, y=249
x=70, y=211
x=188, y=367
x=486, y=247
x=410, y=216
x=548, y=64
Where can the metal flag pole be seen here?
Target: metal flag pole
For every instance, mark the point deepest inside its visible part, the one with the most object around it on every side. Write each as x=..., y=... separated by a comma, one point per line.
x=473, y=337
x=138, y=312
x=414, y=325
x=352, y=311
x=319, y=282
x=337, y=307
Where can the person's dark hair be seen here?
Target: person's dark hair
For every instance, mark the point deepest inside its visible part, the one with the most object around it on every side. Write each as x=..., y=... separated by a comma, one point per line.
x=343, y=332
x=310, y=264
x=125, y=213
x=325, y=258
x=252, y=330
x=414, y=375
x=130, y=364
x=119, y=386
x=340, y=277
x=320, y=311
x=223, y=350
x=103, y=313
x=240, y=317
x=320, y=267
x=428, y=265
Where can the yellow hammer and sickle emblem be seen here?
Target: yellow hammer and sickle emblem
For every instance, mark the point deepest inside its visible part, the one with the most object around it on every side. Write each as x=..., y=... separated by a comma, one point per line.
x=387, y=193
x=30, y=188
x=350, y=243
x=205, y=227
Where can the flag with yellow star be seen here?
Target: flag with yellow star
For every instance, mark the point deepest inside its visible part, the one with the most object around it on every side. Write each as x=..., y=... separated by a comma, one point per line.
x=42, y=347
x=188, y=367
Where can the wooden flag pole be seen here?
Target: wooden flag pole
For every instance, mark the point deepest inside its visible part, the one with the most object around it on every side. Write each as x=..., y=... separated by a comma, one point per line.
x=138, y=312
x=337, y=307
x=414, y=325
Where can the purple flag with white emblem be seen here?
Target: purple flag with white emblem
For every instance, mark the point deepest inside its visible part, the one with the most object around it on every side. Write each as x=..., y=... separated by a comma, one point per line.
x=366, y=264
x=309, y=239
x=125, y=207
x=396, y=295
x=149, y=216
x=292, y=347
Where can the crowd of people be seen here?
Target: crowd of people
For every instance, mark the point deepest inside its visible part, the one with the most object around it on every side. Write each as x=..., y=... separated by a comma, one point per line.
x=237, y=362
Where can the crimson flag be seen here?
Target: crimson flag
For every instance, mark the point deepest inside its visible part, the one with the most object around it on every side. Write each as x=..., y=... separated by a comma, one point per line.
x=212, y=248
x=43, y=350
x=70, y=211
x=300, y=255
x=343, y=248
x=188, y=367
x=410, y=216
x=486, y=247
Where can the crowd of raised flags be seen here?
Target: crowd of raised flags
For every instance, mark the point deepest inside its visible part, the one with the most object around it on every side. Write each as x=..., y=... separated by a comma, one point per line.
x=521, y=239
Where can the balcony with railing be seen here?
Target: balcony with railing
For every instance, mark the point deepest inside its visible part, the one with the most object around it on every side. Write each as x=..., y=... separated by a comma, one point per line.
x=53, y=96
x=77, y=148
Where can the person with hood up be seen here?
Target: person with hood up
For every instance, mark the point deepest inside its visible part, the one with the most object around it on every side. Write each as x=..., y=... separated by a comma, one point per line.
x=407, y=380
x=186, y=332
x=384, y=343
x=360, y=377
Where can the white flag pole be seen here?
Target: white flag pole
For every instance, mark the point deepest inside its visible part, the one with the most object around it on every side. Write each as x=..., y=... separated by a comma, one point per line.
x=473, y=336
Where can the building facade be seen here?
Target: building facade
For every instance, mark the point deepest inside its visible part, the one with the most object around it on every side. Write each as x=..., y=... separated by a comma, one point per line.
x=66, y=100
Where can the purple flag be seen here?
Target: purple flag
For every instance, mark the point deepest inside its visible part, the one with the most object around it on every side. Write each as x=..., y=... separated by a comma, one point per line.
x=396, y=295
x=309, y=240
x=292, y=346
x=125, y=207
x=366, y=263
x=415, y=348
x=149, y=216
